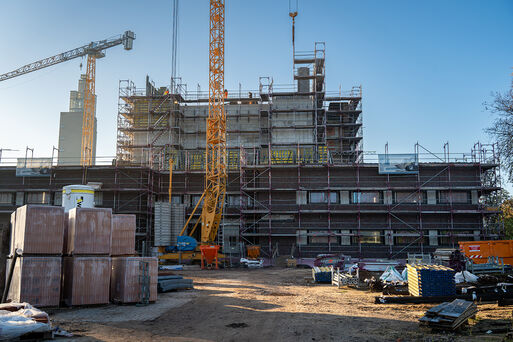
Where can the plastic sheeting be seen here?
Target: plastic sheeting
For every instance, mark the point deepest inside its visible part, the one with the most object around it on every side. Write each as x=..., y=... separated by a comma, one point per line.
x=391, y=275
x=465, y=277
x=17, y=319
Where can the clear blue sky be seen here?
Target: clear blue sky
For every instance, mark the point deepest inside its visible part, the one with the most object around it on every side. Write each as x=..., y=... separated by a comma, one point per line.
x=426, y=67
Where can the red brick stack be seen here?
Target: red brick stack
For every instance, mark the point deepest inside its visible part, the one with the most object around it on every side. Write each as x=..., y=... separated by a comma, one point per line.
x=38, y=234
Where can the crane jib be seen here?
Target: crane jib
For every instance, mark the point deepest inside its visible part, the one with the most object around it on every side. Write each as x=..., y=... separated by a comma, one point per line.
x=94, y=47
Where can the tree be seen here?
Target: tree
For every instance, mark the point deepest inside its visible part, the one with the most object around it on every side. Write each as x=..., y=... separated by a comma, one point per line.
x=507, y=217
x=502, y=127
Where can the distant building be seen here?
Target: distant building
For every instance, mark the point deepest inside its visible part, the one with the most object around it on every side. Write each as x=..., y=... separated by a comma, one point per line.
x=70, y=128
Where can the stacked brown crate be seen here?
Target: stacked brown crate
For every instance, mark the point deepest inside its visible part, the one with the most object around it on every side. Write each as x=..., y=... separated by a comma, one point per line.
x=127, y=275
x=38, y=235
x=86, y=269
x=123, y=235
x=126, y=282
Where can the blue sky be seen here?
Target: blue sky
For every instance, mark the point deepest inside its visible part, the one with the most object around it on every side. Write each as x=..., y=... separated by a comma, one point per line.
x=426, y=67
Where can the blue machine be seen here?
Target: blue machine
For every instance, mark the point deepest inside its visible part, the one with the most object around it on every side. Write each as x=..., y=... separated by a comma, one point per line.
x=183, y=244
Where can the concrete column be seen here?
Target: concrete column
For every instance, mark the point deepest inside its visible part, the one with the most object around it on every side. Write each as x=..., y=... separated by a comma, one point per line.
x=474, y=196
x=345, y=240
x=301, y=197
x=19, y=198
x=431, y=196
x=344, y=197
x=388, y=197
x=433, y=238
x=389, y=237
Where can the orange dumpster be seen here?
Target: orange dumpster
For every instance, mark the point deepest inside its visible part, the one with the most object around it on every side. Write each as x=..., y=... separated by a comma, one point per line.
x=479, y=251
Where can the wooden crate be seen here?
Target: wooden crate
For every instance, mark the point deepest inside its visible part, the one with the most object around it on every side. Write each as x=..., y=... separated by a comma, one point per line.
x=125, y=284
x=36, y=280
x=85, y=280
x=39, y=229
x=89, y=231
x=123, y=234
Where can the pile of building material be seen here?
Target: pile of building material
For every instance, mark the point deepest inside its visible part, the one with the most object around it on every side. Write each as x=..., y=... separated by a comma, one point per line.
x=38, y=235
x=123, y=235
x=86, y=269
x=129, y=280
x=449, y=315
x=321, y=274
x=89, y=238
x=431, y=280
x=173, y=282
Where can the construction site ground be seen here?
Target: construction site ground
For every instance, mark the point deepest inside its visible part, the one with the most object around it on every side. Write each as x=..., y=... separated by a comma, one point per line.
x=272, y=304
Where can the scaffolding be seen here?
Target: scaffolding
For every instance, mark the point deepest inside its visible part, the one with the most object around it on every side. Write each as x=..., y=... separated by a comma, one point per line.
x=296, y=170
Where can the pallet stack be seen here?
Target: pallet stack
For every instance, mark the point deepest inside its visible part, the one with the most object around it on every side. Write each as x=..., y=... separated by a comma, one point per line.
x=83, y=257
x=38, y=234
x=87, y=264
x=449, y=316
x=431, y=280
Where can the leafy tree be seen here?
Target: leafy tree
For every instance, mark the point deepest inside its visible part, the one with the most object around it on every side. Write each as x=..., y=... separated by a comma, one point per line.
x=507, y=217
x=502, y=127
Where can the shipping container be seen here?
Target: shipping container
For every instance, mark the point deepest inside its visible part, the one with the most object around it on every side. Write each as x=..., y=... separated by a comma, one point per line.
x=479, y=251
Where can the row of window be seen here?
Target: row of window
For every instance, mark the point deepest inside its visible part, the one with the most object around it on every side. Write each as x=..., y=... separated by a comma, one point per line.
x=41, y=197
x=382, y=237
x=396, y=197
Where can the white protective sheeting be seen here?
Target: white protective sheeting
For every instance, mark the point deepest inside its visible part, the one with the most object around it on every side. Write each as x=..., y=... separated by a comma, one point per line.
x=17, y=319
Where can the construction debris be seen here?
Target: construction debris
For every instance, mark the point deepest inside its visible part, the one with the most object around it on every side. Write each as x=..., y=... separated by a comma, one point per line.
x=449, y=316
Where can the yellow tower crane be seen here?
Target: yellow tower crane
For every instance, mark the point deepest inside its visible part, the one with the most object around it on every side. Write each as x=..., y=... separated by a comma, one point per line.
x=93, y=51
x=213, y=196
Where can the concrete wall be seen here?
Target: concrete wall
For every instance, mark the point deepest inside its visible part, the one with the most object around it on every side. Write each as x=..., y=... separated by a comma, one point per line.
x=70, y=138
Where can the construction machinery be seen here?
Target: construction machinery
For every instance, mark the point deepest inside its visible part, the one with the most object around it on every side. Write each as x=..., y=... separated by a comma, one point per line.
x=93, y=51
x=213, y=196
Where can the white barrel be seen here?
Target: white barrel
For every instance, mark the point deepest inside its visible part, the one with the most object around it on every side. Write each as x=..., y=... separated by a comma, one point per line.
x=77, y=196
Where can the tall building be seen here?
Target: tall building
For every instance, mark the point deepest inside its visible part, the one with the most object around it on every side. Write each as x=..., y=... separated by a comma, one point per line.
x=70, y=128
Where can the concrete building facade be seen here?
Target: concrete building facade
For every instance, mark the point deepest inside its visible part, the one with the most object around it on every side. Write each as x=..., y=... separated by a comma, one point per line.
x=70, y=128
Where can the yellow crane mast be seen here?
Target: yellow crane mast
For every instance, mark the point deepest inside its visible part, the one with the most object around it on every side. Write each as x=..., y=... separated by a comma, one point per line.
x=215, y=161
x=213, y=196
x=86, y=151
x=93, y=51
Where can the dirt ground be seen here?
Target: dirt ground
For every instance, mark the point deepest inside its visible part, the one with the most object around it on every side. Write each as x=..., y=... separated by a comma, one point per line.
x=275, y=304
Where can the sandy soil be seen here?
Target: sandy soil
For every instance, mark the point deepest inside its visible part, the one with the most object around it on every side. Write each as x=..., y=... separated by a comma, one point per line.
x=275, y=304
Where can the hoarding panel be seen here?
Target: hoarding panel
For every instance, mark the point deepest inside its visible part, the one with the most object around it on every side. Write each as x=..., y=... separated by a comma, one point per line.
x=398, y=164
x=33, y=167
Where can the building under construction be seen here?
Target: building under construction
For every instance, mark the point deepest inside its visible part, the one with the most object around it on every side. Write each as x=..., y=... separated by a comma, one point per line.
x=297, y=179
